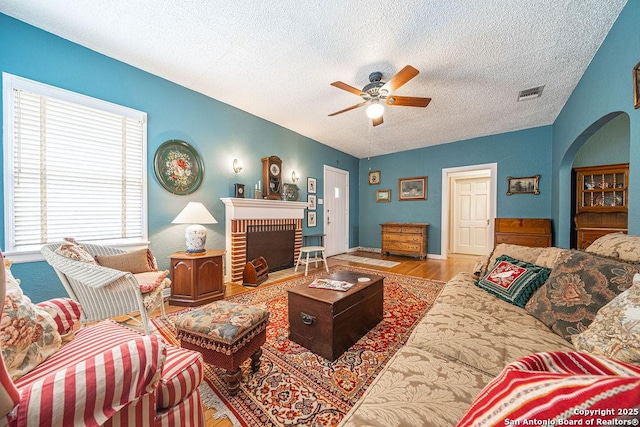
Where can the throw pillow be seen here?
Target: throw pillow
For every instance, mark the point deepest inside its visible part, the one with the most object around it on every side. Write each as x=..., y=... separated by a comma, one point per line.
x=139, y=261
x=150, y=280
x=550, y=257
x=64, y=311
x=28, y=334
x=558, y=387
x=71, y=249
x=513, y=280
x=618, y=245
x=523, y=253
x=576, y=289
x=615, y=331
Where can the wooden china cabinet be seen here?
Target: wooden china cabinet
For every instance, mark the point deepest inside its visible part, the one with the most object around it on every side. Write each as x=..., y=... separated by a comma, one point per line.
x=601, y=202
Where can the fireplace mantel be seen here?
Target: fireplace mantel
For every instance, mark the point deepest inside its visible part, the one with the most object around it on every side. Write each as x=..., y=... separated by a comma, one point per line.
x=237, y=208
x=241, y=212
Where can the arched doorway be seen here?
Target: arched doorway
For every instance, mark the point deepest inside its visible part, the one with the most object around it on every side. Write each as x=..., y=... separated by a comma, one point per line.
x=598, y=151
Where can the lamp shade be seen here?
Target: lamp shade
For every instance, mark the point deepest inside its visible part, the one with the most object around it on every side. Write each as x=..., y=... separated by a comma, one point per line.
x=194, y=213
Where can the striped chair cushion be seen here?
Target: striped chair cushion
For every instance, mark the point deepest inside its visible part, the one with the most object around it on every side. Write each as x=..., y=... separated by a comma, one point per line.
x=558, y=386
x=65, y=312
x=91, y=391
x=181, y=374
x=188, y=413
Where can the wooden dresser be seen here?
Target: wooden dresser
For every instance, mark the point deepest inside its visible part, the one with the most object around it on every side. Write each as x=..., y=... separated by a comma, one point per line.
x=523, y=231
x=405, y=238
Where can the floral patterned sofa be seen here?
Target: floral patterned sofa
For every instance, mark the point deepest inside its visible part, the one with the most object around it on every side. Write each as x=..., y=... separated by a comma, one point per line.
x=458, y=354
x=103, y=374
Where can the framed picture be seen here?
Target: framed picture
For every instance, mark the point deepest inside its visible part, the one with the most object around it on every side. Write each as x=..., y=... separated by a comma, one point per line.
x=311, y=219
x=311, y=200
x=412, y=188
x=178, y=167
x=636, y=85
x=374, y=177
x=311, y=185
x=383, y=195
x=523, y=185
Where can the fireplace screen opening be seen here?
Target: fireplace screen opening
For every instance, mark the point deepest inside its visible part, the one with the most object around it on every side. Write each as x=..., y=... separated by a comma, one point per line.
x=275, y=243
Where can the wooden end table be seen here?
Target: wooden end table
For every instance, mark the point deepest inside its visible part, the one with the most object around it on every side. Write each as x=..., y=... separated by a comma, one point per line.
x=197, y=279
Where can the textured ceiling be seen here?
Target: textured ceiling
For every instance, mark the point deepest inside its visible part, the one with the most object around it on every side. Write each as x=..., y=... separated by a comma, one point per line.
x=276, y=59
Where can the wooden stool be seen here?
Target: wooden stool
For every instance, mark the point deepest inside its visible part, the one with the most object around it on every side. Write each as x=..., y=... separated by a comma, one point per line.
x=317, y=251
x=226, y=334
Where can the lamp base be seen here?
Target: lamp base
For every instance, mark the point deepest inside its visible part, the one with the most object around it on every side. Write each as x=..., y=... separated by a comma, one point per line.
x=196, y=251
x=195, y=237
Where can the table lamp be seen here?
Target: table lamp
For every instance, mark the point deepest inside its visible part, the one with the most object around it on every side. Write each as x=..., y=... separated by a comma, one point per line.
x=195, y=235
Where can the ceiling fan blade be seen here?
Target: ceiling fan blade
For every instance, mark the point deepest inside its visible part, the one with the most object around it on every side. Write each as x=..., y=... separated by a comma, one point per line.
x=403, y=76
x=377, y=121
x=353, y=107
x=348, y=88
x=408, y=101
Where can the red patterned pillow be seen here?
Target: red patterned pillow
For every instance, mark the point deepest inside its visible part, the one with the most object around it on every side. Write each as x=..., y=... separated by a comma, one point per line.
x=513, y=280
x=151, y=280
x=558, y=386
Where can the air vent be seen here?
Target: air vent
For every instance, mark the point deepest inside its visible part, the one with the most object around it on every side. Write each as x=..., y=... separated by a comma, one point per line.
x=526, y=94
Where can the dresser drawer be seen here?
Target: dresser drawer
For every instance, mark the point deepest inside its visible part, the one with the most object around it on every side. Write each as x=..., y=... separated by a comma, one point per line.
x=408, y=238
x=412, y=230
x=401, y=246
x=392, y=229
x=523, y=239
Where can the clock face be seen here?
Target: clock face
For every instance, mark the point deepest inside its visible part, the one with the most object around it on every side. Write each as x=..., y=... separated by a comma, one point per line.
x=274, y=169
x=241, y=190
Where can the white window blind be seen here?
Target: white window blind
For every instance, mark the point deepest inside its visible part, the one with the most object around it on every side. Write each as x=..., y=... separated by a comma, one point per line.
x=77, y=168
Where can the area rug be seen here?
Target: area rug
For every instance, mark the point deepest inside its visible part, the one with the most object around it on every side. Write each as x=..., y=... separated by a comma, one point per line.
x=365, y=260
x=296, y=387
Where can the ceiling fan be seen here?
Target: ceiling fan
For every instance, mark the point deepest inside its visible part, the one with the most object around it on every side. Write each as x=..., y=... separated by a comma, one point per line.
x=377, y=92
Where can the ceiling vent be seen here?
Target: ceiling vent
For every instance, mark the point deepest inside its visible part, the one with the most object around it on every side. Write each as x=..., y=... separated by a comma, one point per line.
x=526, y=94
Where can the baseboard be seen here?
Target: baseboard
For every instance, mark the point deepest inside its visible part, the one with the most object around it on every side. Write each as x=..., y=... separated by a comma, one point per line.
x=379, y=250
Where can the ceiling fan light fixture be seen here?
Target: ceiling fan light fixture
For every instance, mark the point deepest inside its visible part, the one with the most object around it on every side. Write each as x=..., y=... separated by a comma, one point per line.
x=375, y=110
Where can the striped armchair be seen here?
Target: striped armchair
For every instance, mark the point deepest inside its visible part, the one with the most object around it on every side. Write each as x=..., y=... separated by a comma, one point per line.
x=105, y=374
x=104, y=292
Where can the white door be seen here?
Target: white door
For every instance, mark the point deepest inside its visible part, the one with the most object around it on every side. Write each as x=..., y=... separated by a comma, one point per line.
x=471, y=217
x=336, y=210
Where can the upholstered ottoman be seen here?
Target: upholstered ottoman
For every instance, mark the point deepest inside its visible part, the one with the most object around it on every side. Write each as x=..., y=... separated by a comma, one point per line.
x=226, y=334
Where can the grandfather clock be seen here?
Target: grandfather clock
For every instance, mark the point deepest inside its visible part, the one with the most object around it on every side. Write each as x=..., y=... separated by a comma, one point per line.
x=272, y=177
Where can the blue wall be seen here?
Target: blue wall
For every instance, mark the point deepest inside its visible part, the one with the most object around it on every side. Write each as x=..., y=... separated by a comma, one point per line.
x=603, y=93
x=522, y=153
x=218, y=131
x=608, y=146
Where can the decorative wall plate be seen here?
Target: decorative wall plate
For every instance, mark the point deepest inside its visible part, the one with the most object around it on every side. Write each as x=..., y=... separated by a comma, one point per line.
x=291, y=192
x=178, y=167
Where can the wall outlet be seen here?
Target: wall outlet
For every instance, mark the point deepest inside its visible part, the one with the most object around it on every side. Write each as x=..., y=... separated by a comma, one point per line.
x=321, y=201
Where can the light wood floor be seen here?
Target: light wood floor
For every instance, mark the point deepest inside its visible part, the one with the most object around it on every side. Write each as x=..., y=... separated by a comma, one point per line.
x=442, y=270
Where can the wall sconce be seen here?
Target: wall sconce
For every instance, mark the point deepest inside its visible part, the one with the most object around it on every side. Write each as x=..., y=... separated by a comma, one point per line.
x=294, y=176
x=237, y=166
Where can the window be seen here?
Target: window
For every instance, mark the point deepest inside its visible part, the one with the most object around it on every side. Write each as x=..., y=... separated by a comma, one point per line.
x=74, y=166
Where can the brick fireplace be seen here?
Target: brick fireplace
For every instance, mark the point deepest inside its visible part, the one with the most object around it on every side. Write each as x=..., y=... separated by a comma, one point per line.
x=240, y=214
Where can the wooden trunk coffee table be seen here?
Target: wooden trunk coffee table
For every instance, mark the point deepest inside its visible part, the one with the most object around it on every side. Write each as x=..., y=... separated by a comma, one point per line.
x=328, y=322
